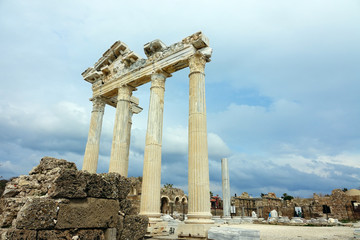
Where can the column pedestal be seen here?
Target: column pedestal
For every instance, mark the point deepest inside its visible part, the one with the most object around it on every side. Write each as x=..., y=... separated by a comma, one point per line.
x=91, y=155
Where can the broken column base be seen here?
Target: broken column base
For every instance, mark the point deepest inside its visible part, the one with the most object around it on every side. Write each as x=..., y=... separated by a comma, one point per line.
x=157, y=229
x=193, y=231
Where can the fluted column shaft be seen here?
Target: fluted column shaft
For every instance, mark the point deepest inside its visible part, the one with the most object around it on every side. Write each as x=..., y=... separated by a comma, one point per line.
x=225, y=187
x=198, y=179
x=125, y=168
x=150, y=195
x=119, y=159
x=91, y=155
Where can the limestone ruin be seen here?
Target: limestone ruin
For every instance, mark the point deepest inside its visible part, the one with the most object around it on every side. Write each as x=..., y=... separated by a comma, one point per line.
x=114, y=78
x=341, y=205
x=56, y=201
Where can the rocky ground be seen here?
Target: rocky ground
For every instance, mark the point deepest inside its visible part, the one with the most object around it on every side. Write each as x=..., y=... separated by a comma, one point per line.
x=281, y=232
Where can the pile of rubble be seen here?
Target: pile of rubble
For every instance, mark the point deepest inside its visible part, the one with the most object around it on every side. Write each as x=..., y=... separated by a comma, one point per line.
x=56, y=201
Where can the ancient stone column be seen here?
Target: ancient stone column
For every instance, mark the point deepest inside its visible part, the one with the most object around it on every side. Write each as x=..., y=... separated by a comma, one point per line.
x=125, y=164
x=198, y=179
x=225, y=187
x=119, y=159
x=150, y=195
x=91, y=155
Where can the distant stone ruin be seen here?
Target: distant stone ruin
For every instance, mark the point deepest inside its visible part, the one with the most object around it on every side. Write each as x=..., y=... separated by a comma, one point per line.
x=56, y=201
x=338, y=205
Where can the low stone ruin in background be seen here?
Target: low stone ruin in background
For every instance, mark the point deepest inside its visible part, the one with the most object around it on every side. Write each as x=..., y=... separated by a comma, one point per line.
x=56, y=201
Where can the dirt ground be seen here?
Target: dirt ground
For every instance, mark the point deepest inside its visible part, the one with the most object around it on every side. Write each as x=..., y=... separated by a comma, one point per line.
x=280, y=232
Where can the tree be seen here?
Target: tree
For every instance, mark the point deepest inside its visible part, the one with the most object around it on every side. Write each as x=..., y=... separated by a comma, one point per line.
x=285, y=196
x=344, y=189
x=168, y=185
x=211, y=194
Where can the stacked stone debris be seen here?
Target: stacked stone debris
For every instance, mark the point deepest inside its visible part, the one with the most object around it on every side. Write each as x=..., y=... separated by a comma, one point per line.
x=56, y=201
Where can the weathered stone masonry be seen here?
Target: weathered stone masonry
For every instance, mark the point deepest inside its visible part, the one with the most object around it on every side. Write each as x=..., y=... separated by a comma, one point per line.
x=55, y=201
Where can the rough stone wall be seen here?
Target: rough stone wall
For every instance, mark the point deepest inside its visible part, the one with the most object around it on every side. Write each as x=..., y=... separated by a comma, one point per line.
x=135, y=193
x=56, y=201
x=340, y=206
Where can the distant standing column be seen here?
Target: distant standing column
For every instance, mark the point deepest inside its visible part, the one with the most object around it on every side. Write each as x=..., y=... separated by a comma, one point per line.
x=91, y=155
x=150, y=195
x=119, y=158
x=225, y=187
x=198, y=170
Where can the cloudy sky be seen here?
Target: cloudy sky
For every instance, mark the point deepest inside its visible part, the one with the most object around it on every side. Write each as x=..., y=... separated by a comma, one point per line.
x=282, y=89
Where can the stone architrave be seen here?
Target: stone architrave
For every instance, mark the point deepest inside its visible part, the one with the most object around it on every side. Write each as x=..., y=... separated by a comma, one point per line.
x=151, y=182
x=225, y=187
x=198, y=169
x=120, y=146
x=91, y=155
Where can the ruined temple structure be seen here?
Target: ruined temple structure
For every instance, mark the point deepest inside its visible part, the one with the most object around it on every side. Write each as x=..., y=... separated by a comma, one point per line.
x=114, y=78
x=56, y=201
x=173, y=200
x=339, y=205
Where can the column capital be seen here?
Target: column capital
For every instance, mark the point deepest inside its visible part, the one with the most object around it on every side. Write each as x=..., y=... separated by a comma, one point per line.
x=98, y=104
x=197, y=62
x=125, y=92
x=158, y=79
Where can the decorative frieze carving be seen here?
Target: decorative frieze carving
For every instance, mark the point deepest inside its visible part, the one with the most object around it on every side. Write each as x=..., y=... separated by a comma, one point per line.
x=120, y=64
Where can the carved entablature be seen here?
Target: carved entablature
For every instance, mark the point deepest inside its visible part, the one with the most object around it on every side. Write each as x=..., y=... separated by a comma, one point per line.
x=198, y=40
x=153, y=47
x=119, y=65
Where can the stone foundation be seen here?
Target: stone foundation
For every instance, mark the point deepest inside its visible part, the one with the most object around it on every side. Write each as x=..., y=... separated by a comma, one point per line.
x=56, y=201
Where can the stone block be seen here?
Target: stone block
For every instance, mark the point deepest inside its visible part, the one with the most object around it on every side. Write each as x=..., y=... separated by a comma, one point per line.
x=247, y=219
x=273, y=219
x=193, y=230
x=155, y=229
x=88, y=213
x=122, y=184
x=228, y=233
x=53, y=234
x=283, y=220
x=133, y=227
x=357, y=233
x=71, y=234
x=126, y=207
x=107, y=185
x=49, y=164
x=296, y=220
x=110, y=234
x=9, y=208
x=69, y=184
x=37, y=213
x=20, y=234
